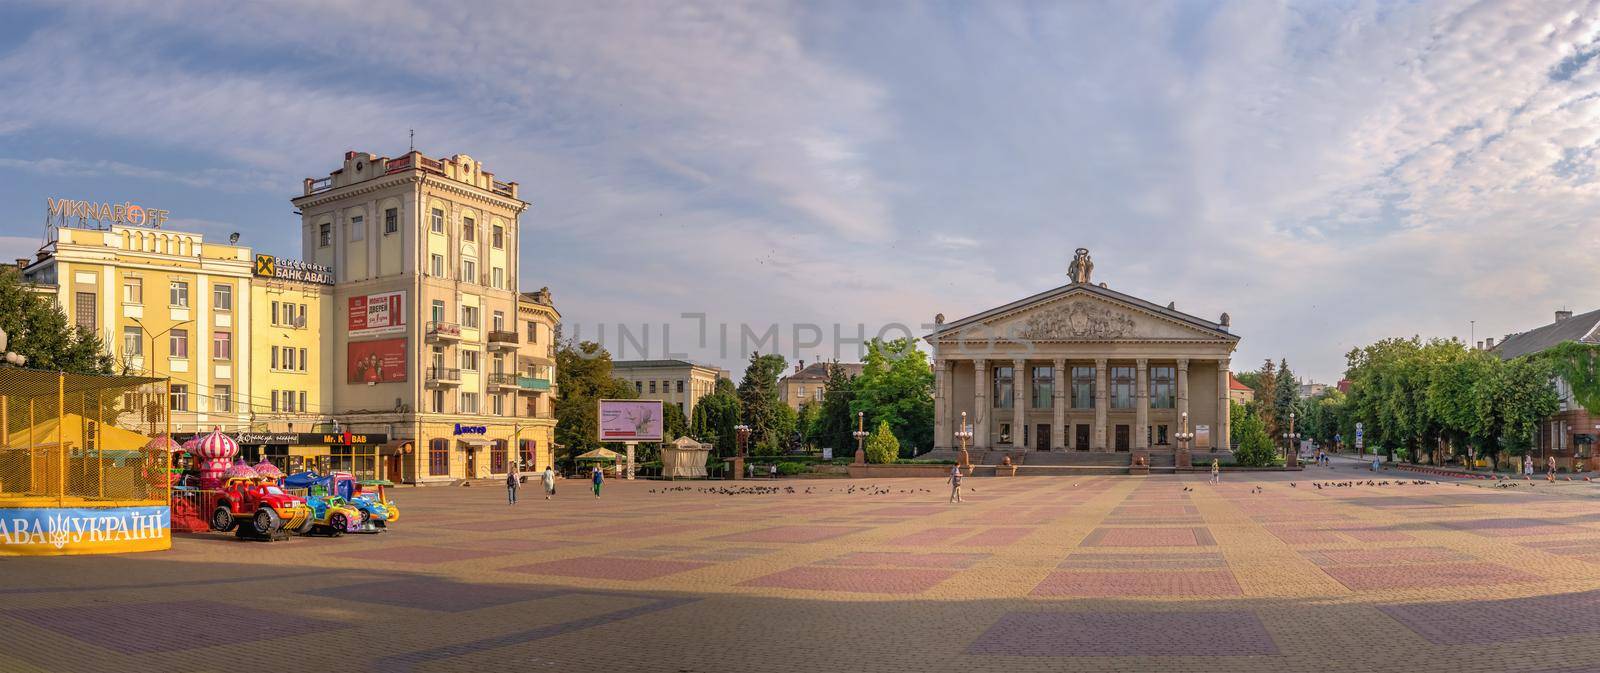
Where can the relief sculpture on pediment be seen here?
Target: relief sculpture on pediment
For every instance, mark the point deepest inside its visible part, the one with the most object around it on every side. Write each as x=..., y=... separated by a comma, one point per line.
x=1077, y=320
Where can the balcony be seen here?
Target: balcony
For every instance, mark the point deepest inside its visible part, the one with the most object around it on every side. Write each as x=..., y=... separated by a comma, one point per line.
x=530, y=384
x=439, y=377
x=500, y=380
x=502, y=339
x=442, y=331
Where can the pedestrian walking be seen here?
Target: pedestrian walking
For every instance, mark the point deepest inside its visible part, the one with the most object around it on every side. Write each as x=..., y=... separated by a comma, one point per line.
x=1216, y=471
x=1550, y=468
x=511, y=486
x=1527, y=466
x=955, y=484
x=772, y=471
x=549, y=482
x=599, y=478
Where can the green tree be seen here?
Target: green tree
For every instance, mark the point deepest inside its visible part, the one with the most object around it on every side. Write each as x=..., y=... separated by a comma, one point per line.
x=1285, y=398
x=896, y=386
x=1524, y=395
x=882, y=447
x=808, y=420
x=38, y=330
x=1265, y=401
x=715, y=416
x=1254, y=448
x=836, y=421
x=759, y=403
x=583, y=377
x=785, y=422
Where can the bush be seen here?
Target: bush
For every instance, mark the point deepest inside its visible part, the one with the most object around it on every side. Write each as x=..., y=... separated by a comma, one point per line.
x=789, y=469
x=882, y=447
x=1255, y=447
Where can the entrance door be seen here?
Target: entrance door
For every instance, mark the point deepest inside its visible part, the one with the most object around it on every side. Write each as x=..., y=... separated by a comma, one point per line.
x=1082, y=441
x=472, y=463
x=1042, y=437
x=391, y=468
x=1122, y=438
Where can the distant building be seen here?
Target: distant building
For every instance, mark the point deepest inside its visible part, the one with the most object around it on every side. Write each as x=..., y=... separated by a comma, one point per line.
x=1310, y=390
x=677, y=382
x=808, y=381
x=1239, y=392
x=1570, y=433
x=1344, y=386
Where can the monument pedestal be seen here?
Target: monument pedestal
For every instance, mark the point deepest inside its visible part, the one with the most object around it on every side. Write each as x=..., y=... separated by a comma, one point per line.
x=1140, y=462
x=736, y=467
x=1182, y=459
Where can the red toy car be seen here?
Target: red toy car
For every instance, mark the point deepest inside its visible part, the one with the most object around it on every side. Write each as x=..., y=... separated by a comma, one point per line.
x=258, y=510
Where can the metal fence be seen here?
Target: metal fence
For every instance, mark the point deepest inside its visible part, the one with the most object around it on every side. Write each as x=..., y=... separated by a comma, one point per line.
x=70, y=439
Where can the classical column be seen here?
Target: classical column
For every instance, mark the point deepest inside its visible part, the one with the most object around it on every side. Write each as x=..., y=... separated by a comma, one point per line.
x=1058, y=388
x=1141, y=421
x=980, y=404
x=1219, y=434
x=1183, y=387
x=1019, y=400
x=1102, y=401
x=941, y=402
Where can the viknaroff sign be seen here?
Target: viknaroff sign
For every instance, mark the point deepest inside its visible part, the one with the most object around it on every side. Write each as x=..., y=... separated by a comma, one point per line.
x=268, y=266
x=630, y=420
x=128, y=213
x=84, y=530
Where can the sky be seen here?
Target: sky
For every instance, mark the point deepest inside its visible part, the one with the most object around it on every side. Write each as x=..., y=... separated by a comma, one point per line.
x=1328, y=173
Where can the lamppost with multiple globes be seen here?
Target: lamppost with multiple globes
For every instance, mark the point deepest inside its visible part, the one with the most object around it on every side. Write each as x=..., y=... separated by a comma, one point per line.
x=861, y=435
x=1184, y=436
x=1289, y=448
x=742, y=431
x=964, y=433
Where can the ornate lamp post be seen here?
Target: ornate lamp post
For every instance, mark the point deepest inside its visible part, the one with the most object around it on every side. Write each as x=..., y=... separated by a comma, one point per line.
x=1291, y=453
x=861, y=437
x=964, y=433
x=742, y=432
x=1184, y=436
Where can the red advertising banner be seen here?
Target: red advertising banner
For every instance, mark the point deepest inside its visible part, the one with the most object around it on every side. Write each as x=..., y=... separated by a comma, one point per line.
x=381, y=361
x=381, y=313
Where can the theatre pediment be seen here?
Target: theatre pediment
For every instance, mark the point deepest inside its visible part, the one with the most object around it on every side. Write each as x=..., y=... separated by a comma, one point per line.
x=1081, y=316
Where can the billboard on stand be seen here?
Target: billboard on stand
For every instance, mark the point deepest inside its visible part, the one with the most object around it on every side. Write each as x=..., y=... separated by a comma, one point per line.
x=630, y=421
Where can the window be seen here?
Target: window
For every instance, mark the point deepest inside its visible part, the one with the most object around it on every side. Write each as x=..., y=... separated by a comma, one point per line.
x=469, y=229
x=303, y=359
x=498, y=276
x=680, y=385
x=274, y=400
x=1163, y=388
x=178, y=294
x=224, y=398
x=499, y=236
x=499, y=403
x=499, y=321
x=324, y=234
x=1083, y=387
x=133, y=291
x=302, y=321
x=438, y=357
x=1122, y=385
x=1044, y=386
x=222, y=345
x=288, y=315
x=469, y=403
x=437, y=221
x=469, y=360
x=178, y=343
x=1003, y=391
x=436, y=266
x=469, y=316
x=437, y=311
x=132, y=342
x=439, y=454
x=391, y=220
x=469, y=271
x=497, y=455
x=274, y=313
x=222, y=297
x=288, y=358
x=438, y=401
x=638, y=387
x=498, y=364
x=1161, y=435
x=288, y=400
x=180, y=398
x=358, y=227
x=533, y=332
x=274, y=357
x=652, y=386
x=302, y=401
x=85, y=314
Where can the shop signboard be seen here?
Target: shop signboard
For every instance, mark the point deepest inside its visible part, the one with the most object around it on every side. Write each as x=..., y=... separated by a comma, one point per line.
x=380, y=361
x=84, y=530
x=630, y=420
x=374, y=314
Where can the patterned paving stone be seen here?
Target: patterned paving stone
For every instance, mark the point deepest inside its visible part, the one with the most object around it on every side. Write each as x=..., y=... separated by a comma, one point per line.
x=1107, y=634
x=932, y=536
x=1190, y=583
x=1471, y=622
x=1386, y=556
x=1124, y=561
x=608, y=568
x=1149, y=537
x=421, y=554
x=164, y=627
x=1365, y=578
x=791, y=534
x=859, y=580
x=906, y=560
x=432, y=594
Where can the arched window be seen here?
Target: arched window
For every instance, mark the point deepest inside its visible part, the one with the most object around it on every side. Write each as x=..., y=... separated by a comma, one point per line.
x=439, y=457
x=497, y=456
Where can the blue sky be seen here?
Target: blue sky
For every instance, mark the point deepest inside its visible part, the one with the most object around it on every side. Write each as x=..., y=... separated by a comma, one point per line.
x=1329, y=173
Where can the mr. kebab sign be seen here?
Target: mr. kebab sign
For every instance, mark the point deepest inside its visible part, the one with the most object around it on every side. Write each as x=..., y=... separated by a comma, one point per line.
x=127, y=213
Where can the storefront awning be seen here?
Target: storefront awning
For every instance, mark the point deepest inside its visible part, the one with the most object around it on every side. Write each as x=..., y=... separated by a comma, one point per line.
x=473, y=441
x=397, y=447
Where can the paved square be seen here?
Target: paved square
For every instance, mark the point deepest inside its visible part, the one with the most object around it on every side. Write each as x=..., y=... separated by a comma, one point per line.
x=1075, y=573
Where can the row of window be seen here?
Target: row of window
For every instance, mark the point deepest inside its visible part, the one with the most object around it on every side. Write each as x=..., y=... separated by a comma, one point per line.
x=439, y=457
x=286, y=400
x=1122, y=436
x=288, y=314
x=468, y=403
x=469, y=272
x=177, y=294
x=470, y=360
x=391, y=225
x=1123, y=387
x=284, y=358
x=666, y=386
x=470, y=316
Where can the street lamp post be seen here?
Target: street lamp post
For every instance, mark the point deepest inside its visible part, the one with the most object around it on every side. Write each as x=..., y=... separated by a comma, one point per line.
x=861, y=437
x=1184, y=436
x=742, y=433
x=965, y=435
x=1291, y=454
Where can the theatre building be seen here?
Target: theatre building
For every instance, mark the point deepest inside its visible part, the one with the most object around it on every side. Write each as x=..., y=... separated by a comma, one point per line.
x=1082, y=369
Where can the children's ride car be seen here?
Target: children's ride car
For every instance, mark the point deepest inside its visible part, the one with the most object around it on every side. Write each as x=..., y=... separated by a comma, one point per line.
x=257, y=510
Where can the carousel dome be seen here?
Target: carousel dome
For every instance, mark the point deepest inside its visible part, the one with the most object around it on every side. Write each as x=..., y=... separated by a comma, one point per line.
x=214, y=446
x=267, y=470
x=239, y=470
x=162, y=443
